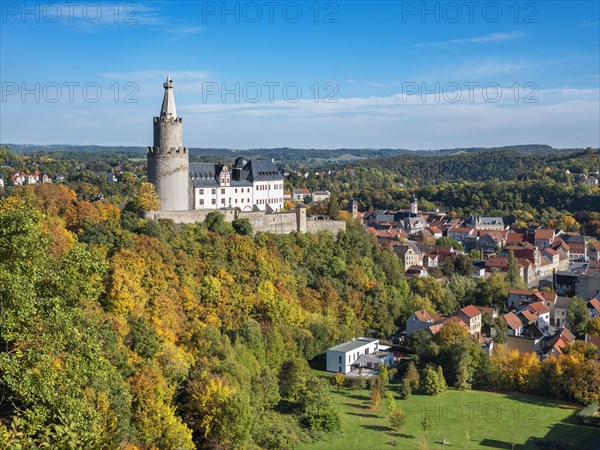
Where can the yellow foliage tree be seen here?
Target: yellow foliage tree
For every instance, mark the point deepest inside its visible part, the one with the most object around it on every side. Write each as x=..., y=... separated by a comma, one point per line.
x=147, y=199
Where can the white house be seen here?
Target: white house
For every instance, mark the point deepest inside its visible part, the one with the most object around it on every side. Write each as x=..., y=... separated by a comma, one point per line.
x=420, y=320
x=341, y=357
x=560, y=311
x=320, y=196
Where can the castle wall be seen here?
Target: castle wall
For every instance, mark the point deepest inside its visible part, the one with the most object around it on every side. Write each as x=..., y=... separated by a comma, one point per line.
x=333, y=226
x=277, y=223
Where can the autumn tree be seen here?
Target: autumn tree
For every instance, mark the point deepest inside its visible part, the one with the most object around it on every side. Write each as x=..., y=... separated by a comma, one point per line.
x=593, y=326
x=147, y=198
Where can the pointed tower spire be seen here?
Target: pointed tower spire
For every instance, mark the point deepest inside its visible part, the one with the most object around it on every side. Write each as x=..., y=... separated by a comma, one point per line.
x=168, y=106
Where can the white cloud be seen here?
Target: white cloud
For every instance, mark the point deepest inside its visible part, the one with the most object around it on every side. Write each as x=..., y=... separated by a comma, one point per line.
x=492, y=37
x=586, y=24
x=560, y=117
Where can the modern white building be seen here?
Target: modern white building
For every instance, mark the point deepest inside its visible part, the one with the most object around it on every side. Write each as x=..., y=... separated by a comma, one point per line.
x=342, y=357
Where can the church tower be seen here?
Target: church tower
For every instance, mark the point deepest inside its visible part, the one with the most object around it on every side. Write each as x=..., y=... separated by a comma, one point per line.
x=414, y=205
x=168, y=162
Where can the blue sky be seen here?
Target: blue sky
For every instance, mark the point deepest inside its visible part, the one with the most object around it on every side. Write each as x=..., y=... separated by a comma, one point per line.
x=415, y=75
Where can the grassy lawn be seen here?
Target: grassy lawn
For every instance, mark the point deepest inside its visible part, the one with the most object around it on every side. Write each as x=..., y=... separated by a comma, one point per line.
x=492, y=420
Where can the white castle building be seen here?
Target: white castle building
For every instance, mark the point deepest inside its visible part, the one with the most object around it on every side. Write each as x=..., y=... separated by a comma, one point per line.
x=249, y=185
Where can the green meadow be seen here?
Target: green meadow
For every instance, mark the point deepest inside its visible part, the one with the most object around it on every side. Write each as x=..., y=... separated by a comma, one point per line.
x=465, y=419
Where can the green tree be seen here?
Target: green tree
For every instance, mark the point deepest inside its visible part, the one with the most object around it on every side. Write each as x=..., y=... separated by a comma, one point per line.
x=242, y=227
x=432, y=380
x=216, y=222
x=293, y=376
x=513, y=274
x=449, y=242
x=577, y=317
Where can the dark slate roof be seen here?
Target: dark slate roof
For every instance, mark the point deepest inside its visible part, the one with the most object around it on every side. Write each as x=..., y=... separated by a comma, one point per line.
x=262, y=170
x=571, y=238
x=243, y=174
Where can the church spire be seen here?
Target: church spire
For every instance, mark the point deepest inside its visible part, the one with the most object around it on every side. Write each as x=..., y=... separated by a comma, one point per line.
x=168, y=106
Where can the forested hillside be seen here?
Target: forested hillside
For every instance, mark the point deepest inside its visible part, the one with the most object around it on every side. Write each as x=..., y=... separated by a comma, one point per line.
x=120, y=332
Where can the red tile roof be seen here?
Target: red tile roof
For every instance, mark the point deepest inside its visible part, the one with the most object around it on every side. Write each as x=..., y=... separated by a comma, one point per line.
x=458, y=320
x=423, y=315
x=544, y=233
x=549, y=296
x=522, y=292
x=434, y=329
x=530, y=316
x=470, y=311
x=512, y=321
x=485, y=310
x=515, y=238
x=539, y=308
x=460, y=230
x=595, y=304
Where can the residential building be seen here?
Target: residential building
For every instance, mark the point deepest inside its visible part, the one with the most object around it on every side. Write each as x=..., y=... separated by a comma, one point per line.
x=460, y=233
x=413, y=225
x=578, y=246
x=560, y=312
x=544, y=237
x=472, y=317
x=342, y=357
x=485, y=223
x=320, y=196
x=594, y=306
x=410, y=254
x=299, y=194
x=515, y=326
x=420, y=320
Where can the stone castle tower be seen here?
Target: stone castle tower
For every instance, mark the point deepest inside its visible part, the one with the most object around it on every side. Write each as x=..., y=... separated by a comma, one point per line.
x=167, y=159
x=414, y=204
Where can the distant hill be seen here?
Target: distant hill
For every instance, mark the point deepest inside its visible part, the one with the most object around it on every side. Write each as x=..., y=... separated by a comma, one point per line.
x=291, y=155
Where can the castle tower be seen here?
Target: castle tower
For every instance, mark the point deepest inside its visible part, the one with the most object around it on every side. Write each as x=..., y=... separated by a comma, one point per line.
x=168, y=162
x=414, y=205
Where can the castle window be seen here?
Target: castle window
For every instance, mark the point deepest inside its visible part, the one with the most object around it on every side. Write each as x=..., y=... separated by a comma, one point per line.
x=222, y=201
x=214, y=191
x=202, y=201
x=236, y=190
x=201, y=191
x=222, y=191
x=214, y=201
